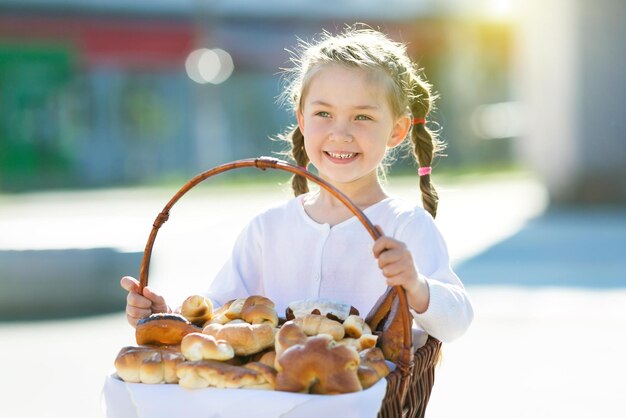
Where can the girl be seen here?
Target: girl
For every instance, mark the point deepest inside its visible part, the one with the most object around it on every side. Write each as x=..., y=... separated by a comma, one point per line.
x=355, y=96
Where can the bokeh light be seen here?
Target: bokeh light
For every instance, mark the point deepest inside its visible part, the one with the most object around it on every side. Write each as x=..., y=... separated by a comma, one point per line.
x=209, y=66
x=498, y=120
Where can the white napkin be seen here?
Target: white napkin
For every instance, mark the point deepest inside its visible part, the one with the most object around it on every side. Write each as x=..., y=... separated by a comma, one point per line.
x=136, y=400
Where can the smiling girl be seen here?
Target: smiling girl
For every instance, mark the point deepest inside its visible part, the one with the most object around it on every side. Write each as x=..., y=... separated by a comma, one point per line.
x=355, y=95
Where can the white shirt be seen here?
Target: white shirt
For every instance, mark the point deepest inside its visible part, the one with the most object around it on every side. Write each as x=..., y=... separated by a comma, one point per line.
x=286, y=256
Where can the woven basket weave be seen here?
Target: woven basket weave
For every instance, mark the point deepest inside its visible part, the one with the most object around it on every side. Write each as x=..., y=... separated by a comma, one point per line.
x=410, y=383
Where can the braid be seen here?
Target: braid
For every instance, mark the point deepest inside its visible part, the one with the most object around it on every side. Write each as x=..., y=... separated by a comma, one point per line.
x=299, y=184
x=425, y=145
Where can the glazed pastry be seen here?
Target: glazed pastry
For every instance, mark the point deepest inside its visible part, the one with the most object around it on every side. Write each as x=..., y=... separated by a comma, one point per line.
x=163, y=329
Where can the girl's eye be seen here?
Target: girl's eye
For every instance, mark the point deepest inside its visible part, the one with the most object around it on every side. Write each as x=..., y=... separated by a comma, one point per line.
x=363, y=117
x=323, y=114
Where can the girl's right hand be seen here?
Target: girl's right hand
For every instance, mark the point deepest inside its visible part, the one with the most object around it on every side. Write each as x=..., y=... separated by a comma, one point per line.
x=139, y=305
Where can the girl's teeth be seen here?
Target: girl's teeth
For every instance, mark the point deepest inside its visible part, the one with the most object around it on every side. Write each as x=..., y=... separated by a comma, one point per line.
x=341, y=156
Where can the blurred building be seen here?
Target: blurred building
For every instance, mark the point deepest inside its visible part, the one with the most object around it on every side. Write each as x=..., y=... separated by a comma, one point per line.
x=97, y=93
x=571, y=81
x=91, y=96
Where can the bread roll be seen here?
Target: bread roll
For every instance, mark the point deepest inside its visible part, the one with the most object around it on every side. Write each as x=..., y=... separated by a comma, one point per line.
x=392, y=336
x=246, y=339
x=210, y=373
x=372, y=367
x=163, y=329
x=359, y=344
x=197, y=309
x=198, y=346
x=219, y=315
x=367, y=341
x=146, y=364
x=160, y=368
x=268, y=372
x=234, y=308
x=319, y=366
x=317, y=324
x=355, y=326
x=268, y=358
x=385, y=321
x=287, y=336
x=336, y=310
x=376, y=316
x=259, y=310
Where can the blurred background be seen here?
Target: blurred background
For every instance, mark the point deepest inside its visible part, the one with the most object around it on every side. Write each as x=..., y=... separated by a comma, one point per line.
x=108, y=107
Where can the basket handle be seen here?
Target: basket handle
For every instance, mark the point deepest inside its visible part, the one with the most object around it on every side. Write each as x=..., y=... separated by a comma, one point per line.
x=264, y=163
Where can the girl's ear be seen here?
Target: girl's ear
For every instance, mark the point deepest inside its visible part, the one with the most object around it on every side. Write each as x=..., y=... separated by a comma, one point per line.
x=400, y=130
x=300, y=118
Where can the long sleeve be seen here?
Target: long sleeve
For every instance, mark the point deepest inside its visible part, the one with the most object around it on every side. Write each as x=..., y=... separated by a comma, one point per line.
x=450, y=311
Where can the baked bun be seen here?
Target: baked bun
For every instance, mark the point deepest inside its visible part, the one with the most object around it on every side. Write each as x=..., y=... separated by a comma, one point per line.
x=358, y=334
x=359, y=344
x=355, y=326
x=210, y=373
x=338, y=311
x=268, y=372
x=198, y=346
x=373, y=367
x=246, y=339
x=268, y=358
x=219, y=315
x=252, y=309
x=385, y=321
x=287, y=336
x=197, y=309
x=259, y=310
x=317, y=324
x=234, y=309
x=318, y=366
x=148, y=364
x=392, y=336
x=163, y=329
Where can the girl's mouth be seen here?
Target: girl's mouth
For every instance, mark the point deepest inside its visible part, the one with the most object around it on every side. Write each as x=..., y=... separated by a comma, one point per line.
x=342, y=156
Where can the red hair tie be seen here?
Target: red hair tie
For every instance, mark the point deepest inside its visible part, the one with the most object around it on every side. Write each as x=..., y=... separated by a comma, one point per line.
x=424, y=171
x=417, y=121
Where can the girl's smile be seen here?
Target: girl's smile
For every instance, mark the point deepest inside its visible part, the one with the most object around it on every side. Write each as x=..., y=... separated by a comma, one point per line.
x=339, y=157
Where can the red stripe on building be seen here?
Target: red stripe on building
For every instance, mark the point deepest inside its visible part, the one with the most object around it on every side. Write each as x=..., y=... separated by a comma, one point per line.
x=135, y=43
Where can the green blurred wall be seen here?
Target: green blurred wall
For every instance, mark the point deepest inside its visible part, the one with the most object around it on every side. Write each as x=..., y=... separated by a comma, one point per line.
x=32, y=138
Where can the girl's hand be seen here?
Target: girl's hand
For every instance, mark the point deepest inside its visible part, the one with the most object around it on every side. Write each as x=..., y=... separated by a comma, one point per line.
x=397, y=265
x=138, y=305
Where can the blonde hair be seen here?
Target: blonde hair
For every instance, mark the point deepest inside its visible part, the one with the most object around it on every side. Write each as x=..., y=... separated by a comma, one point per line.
x=370, y=50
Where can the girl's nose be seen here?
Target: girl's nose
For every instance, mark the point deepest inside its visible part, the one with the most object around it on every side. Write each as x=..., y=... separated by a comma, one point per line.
x=341, y=133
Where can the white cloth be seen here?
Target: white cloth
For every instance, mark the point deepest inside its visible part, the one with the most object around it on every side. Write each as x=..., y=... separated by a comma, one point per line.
x=285, y=255
x=137, y=400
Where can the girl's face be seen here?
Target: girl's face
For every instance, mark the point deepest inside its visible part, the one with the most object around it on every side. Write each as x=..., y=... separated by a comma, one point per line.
x=348, y=124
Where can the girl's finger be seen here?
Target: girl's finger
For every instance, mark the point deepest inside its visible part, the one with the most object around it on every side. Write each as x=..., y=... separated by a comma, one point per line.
x=138, y=301
x=130, y=284
x=388, y=257
x=383, y=244
x=158, y=302
x=137, y=313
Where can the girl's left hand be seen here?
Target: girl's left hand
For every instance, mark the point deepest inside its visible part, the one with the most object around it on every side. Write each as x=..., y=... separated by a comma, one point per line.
x=396, y=262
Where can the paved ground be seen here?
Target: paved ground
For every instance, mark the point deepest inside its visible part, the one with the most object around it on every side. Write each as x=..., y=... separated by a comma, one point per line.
x=549, y=291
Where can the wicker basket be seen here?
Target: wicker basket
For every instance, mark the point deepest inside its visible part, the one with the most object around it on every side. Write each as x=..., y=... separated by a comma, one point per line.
x=410, y=383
